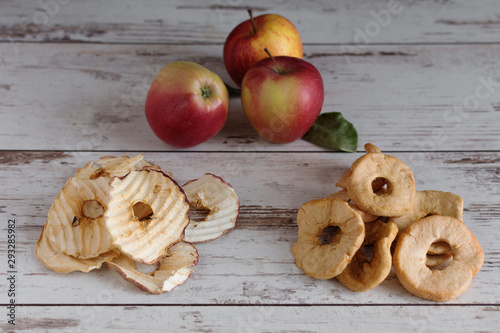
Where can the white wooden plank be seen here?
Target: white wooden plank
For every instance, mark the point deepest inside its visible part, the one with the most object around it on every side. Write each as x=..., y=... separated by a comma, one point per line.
x=254, y=263
x=257, y=319
x=156, y=21
x=91, y=97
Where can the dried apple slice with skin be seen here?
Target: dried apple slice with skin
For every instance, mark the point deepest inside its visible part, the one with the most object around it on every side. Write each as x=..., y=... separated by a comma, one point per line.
x=146, y=240
x=172, y=271
x=57, y=261
x=76, y=216
x=325, y=261
x=212, y=193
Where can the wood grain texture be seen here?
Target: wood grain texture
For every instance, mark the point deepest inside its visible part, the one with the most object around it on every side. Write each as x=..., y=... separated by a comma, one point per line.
x=250, y=319
x=404, y=98
x=155, y=21
x=252, y=264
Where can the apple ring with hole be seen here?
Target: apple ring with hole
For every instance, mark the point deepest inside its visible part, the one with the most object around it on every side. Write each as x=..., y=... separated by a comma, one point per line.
x=432, y=203
x=52, y=257
x=325, y=261
x=211, y=193
x=410, y=257
x=75, y=219
x=173, y=269
x=146, y=238
x=362, y=274
x=391, y=200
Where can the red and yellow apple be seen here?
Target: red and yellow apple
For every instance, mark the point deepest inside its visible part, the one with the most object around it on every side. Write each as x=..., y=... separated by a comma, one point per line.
x=245, y=44
x=186, y=104
x=282, y=97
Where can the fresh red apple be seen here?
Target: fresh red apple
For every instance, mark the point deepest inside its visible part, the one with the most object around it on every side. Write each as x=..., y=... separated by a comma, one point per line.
x=282, y=97
x=245, y=44
x=186, y=104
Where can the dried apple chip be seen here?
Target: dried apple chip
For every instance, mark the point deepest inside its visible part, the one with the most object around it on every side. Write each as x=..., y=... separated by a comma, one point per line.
x=362, y=274
x=342, y=195
x=211, y=193
x=56, y=260
x=172, y=271
x=76, y=217
x=381, y=184
x=146, y=239
x=325, y=261
x=431, y=203
x=410, y=258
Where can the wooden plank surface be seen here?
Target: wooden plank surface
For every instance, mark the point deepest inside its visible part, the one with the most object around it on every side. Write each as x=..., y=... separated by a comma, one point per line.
x=247, y=319
x=418, y=78
x=155, y=21
x=253, y=264
x=403, y=98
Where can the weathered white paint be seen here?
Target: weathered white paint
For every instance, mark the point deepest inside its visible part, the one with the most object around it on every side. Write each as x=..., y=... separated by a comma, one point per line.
x=239, y=319
x=399, y=97
x=156, y=21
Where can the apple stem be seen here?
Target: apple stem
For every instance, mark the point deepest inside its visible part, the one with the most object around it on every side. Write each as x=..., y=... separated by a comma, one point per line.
x=253, y=22
x=274, y=60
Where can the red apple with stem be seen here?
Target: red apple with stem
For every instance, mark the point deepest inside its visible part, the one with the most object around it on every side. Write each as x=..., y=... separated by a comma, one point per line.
x=186, y=104
x=282, y=97
x=245, y=44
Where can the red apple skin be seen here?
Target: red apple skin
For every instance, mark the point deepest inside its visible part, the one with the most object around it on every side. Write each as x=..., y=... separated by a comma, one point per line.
x=176, y=109
x=243, y=48
x=282, y=107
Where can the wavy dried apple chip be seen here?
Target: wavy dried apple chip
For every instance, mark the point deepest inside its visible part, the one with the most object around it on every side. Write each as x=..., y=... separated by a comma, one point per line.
x=146, y=238
x=211, y=193
x=172, y=271
x=56, y=260
x=76, y=217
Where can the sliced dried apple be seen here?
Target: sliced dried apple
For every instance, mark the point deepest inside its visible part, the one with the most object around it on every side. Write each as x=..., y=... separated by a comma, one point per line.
x=172, y=271
x=56, y=260
x=146, y=239
x=76, y=216
x=211, y=193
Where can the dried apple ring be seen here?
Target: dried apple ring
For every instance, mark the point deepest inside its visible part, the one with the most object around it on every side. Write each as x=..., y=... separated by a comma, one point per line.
x=342, y=195
x=431, y=203
x=52, y=257
x=146, y=240
x=374, y=168
x=75, y=219
x=172, y=271
x=325, y=261
x=361, y=274
x=410, y=256
x=211, y=193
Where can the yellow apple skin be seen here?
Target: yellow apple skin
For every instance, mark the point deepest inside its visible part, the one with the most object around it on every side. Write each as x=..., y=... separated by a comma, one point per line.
x=244, y=47
x=187, y=104
x=282, y=106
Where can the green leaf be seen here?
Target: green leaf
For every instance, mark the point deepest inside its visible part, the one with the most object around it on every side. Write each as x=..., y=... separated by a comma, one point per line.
x=233, y=92
x=331, y=130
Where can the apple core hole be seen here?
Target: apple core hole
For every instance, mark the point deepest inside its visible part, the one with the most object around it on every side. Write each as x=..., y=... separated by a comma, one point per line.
x=92, y=209
x=381, y=186
x=330, y=234
x=368, y=251
x=142, y=212
x=198, y=215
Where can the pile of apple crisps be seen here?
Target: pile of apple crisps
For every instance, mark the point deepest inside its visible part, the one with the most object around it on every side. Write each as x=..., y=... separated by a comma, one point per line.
x=435, y=257
x=123, y=210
